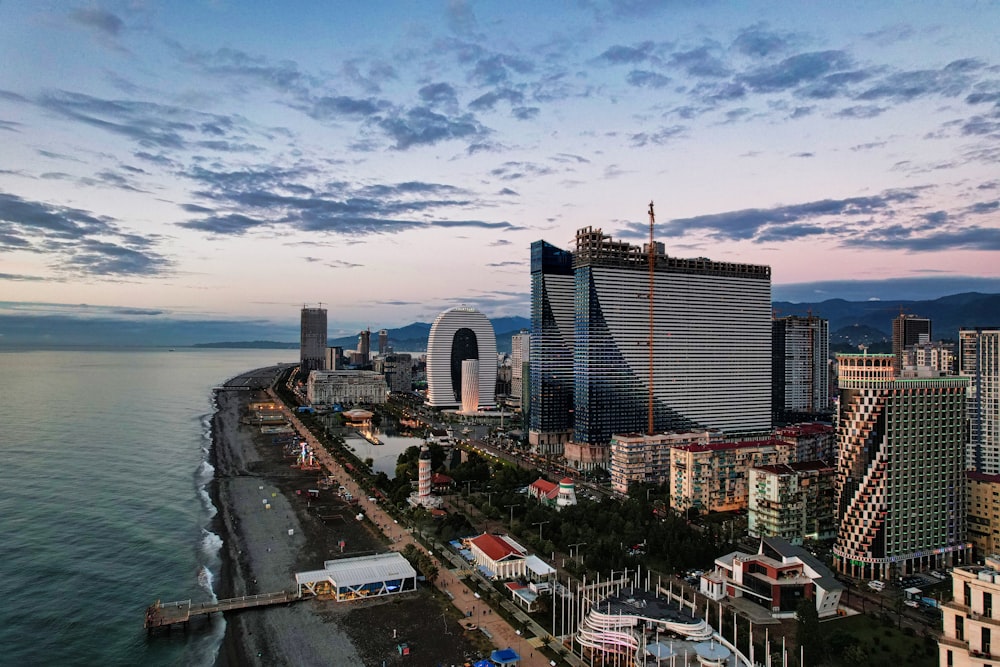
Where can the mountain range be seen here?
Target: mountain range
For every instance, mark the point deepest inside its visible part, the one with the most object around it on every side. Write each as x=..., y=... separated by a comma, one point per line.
x=851, y=323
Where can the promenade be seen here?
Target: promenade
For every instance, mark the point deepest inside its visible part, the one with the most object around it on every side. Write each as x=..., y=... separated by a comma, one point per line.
x=474, y=609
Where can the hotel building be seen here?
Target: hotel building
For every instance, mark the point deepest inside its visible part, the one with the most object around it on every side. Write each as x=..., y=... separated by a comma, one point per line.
x=550, y=421
x=460, y=334
x=312, y=340
x=900, y=470
x=346, y=387
x=590, y=330
x=979, y=360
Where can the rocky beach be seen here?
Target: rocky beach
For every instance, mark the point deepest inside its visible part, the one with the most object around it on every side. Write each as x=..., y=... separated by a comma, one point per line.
x=271, y=529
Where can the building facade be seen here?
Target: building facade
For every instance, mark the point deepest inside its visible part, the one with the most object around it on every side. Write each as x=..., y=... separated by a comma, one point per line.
x=550, y=414
x=928, y=359
x=397, y=369
x=312, y=340
x=908, y=330
x=334, y=359
x=900, y=470
x=458, y=334
x=972, y=616
x=800, y=348
x=794, y=501
x=715, y=477
x=346, y=388
x=984, y=513
x=979, y=360
x=520, y=349
x=813, y=441
x=645, y=459
x=364, y=355
x=383, y=342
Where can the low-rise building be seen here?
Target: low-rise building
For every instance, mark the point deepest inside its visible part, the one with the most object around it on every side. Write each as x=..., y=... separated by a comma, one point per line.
x=970, y=619
x=795, y=501
x=555, y=495
x=714, y=477
x=778, y=577
x=346, y=387
x=813, y=441
x=636, y=458
x=498, y=556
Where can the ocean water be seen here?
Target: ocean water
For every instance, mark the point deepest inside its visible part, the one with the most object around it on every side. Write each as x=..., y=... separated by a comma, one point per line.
x=103, y=510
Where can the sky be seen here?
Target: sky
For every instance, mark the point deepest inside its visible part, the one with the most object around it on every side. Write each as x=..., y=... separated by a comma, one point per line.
x=238, y=159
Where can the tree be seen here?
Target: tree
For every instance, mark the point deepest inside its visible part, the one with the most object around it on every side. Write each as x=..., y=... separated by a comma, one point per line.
x=809, y=633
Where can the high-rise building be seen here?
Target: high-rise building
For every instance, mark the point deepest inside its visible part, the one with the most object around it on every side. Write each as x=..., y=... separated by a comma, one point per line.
x=550, y=414
x=398, y=371
x=900, y=483
x=383, y=342
x=312, y=341
x=908, y=330
x=520, y=344
x=334, y=358
x=970, y=618
x=984, y=513
x=458, y=334
x=800, y=349
x=793, y=500
x=979, y=360
x=364, y=347
x=711, y=343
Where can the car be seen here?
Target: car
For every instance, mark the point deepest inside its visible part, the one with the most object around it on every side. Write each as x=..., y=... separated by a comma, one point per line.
x=876, y=585
x=912, y=603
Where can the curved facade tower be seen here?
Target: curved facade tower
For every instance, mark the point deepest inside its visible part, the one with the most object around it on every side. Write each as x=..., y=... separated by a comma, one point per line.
x=424, y=473
x=900, y=482
x=459, y=334
x=470, y=386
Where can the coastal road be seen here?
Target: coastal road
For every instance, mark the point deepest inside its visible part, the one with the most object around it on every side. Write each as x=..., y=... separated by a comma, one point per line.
x=472, y=608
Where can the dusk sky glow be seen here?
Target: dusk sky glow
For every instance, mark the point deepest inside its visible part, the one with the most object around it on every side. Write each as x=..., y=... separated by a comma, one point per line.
x=216, y=158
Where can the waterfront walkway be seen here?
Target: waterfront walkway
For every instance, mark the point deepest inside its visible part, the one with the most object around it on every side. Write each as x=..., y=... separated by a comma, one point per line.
x=165, y=615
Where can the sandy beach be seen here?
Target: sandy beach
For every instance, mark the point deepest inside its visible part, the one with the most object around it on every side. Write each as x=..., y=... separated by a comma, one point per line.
x=263, y=548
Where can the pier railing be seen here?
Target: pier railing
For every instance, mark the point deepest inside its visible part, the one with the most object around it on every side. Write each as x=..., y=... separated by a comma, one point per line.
x=166, y=614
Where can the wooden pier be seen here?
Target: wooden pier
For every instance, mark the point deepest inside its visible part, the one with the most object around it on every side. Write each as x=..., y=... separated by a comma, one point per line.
x=164, y=615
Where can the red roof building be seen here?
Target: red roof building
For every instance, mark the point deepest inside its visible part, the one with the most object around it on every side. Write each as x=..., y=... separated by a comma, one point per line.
x=499, y=554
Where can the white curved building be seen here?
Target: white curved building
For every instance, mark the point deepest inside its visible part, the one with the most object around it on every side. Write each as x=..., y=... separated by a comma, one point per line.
x=470, y=386
x=458, y=334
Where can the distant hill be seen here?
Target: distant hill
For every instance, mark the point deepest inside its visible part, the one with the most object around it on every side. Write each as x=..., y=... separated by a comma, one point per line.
x=413, y=337
x=868, y=321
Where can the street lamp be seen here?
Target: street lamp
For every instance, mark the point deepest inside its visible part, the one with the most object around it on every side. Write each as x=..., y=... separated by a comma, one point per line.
x=578, y=544
x=539, y=524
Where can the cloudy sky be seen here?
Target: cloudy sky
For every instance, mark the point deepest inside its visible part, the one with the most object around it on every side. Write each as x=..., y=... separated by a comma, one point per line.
x=224, y=158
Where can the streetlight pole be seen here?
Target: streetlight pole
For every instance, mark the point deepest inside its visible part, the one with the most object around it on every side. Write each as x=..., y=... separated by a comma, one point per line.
x=539, y=524
x=578, y=545
x=511, y=507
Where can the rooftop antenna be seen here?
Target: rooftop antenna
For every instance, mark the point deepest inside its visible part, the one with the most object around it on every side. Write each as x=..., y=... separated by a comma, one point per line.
x=652, y=260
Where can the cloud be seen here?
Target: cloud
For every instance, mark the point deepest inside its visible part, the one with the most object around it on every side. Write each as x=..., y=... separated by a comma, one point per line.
x=796, y=70
x=525, y=113
x=628, y=55
x=700, y=62
x=647, y=79
x=100, y=20
x=21, y=278
x=963, y=238
x=513, y=171
x=461, y=18
x=660, y=137
x=237, y=65
x=786, y=222
x=860, y=111
x=10, y=125
x=421, y=126
x=77, y=240
x=487, y=101
x=497, y=265
x=439, y=94
x=759, y=42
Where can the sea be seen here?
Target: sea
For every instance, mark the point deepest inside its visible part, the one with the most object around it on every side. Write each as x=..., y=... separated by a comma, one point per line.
x=103, y=502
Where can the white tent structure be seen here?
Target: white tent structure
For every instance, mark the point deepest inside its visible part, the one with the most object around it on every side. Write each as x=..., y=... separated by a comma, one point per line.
x=365, y=576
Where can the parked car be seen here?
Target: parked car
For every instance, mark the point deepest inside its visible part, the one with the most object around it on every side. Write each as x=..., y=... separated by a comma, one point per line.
x=876, y=585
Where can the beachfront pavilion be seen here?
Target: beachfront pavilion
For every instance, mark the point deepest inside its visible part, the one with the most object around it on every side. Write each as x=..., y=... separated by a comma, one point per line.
x=365, y=576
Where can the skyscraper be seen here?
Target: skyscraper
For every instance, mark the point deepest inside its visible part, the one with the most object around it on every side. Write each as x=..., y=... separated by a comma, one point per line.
x=550, y=418
x=908, y=330
x=711, y=344
x=365, y=346
x=312, y=339
x=900, y=470
x=383, y=342
x=800, y=349
x=458, y=334
x=979, y=360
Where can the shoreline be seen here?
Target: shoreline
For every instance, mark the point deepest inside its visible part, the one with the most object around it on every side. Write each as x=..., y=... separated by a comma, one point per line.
x=259, y=555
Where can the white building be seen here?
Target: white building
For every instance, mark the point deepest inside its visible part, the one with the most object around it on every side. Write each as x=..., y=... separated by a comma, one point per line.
x=520, y=349
x=346, y=387
x=971, y=617
x=800, y=356
x=458, y=334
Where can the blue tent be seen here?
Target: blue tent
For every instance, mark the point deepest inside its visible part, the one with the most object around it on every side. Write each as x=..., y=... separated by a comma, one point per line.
x=507, y=656
x=482, y=663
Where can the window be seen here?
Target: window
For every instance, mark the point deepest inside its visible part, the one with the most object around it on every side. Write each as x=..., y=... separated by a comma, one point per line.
x=986, y=641
x=960, y=628
x=988, y=605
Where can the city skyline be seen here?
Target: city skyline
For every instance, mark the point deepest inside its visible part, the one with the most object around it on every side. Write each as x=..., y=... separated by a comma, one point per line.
x=216, y=160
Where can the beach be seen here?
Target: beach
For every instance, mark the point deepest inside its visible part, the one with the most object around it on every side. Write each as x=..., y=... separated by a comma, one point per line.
x=264, y=547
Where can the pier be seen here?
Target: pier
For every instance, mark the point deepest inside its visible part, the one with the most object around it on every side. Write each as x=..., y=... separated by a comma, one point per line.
x=164, y=615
